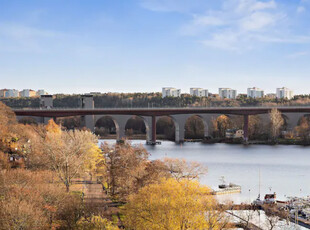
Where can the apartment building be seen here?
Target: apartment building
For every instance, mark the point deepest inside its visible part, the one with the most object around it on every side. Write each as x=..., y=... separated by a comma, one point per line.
x=255, y=92
x=27, y=93
x=284, y=93
x=170, y=92
x=199, y=92
x=227, y=93
x=12, y=93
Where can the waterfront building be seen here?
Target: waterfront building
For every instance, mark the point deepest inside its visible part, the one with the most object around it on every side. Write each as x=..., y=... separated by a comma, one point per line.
x=199, y=92
x=12, y=93
x=28, y=93
x=234, y=133
x=170, y=92
x=284, y=93
x=227, y=93
x=255, y=92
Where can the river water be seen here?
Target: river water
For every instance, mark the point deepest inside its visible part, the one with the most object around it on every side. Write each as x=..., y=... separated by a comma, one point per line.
x=282, y=169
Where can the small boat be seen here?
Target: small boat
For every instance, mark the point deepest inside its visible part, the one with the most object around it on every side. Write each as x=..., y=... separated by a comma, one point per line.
x=223, y=184
x=225, y=188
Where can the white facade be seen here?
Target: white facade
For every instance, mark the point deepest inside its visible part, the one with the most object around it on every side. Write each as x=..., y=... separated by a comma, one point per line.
x=227, y=93
x=284, y=93
x=199, y=92
x=255, y=92
x=171, y=92
x=12, y=93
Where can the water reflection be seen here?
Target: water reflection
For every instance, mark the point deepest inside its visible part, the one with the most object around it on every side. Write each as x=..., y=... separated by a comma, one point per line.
x=284, y=169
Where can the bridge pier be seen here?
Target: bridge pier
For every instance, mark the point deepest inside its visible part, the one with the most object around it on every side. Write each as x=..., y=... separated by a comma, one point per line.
x=46, y=102
x=246, y=128
x=87, y=102
x=179, y=123
x=153, y=137
x=120, y=122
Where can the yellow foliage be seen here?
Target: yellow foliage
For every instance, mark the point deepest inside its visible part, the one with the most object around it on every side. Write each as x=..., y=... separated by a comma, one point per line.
x=94, y=163
x=172, y=205
x=52, y=127
x=94, y=223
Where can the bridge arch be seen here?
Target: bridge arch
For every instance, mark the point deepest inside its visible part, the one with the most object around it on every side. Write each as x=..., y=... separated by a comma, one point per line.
x=105, y=125
x=196, y=127
x=166, y=127
x=120, y=122
x=29, y=120
x=143, y=126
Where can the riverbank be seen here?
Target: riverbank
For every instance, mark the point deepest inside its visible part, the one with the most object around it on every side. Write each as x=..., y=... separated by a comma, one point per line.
x=239, y=141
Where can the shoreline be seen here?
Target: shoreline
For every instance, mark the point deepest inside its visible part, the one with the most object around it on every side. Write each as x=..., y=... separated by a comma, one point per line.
x=221, y=141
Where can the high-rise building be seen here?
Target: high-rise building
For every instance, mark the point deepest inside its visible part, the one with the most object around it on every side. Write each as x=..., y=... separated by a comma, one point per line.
x=284, y=93
x=199, y=92
x=255, y=92
x=12, y=93
x=227, y=93
x=170, y=92
x=28, y=93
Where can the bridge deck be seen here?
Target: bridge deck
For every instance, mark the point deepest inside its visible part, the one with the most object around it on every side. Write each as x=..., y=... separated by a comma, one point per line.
x=60, y=112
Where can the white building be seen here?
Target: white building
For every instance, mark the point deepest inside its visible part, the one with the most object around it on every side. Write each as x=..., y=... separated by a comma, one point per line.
x=171, y=92
x=227, y=93
x=284, y=93
x=199, y=92
x=11, y=93
x=255, y=92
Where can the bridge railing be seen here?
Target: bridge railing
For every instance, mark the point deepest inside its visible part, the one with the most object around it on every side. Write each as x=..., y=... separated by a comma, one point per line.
x=165, y=108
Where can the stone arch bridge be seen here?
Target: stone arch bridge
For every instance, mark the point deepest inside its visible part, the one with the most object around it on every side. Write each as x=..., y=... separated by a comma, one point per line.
x=120, y=116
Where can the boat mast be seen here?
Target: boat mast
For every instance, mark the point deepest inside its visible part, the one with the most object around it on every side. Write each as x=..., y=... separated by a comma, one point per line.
x=259, y=183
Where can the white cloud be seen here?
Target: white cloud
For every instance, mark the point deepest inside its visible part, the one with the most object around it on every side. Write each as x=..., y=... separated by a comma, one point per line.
x=22, y=38
x=208, y=20
x=258, y=21
x=16, y=31
x=173, y=5
x=301, y=9
x=297, y=55
x=243, y=24
x=263, y=5
x=237, y=24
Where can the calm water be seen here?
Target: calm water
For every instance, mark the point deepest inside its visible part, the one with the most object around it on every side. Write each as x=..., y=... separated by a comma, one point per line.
x=283, y=169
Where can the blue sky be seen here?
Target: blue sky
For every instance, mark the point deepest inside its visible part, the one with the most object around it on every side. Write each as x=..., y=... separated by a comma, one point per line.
x=78, y=46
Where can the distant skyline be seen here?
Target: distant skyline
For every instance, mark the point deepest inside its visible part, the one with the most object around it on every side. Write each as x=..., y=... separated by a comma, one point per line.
x=78, y=46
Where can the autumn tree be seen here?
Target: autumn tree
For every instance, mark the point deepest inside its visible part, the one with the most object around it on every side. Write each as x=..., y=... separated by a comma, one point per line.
x=67, y=152
x=126, y=167
x=194, y=128
x=182, y=169
x=303, y=129
x=221, y=124
x=95, y=223
x=255, y=126
x=276, y=122
x=35, y=200
x=170, y=204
